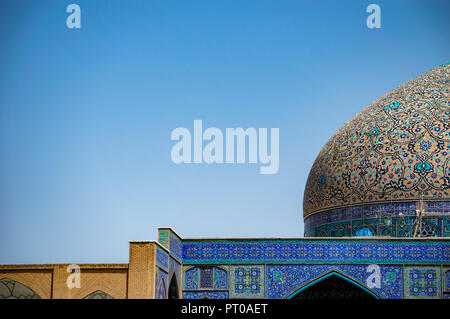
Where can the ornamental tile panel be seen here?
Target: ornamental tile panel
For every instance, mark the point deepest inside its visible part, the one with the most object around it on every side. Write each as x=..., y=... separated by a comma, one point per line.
x=191, y=278
x=162, y=258
x=292, y=251
x=205, y=294
x=247, y=281
x=422, y=282
x=175, y=246
x=220, y=278
x=283, y=280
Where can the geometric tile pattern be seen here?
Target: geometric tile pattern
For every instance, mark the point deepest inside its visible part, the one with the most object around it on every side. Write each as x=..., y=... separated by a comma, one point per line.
x=160, y=280
x=447, y=283
x=283, y=280
x=206, y=277
x=386, y=219
x=175, y=268
x=161, y=292
x=162, y=258
x=175, y=246
x=422, y=282
x=163, y=237
x=387, y=226
x=395, y=149
x=247, y=281
x=220, y=278
x=317, y=251
x=191, y=279
x=205, y=294
x=194, y=275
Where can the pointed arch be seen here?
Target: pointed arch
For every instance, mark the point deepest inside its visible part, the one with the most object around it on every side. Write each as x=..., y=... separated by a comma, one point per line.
x=333, y=278
x=173, y=288
x=11, y=289
x=162, y=289
x=98, y=294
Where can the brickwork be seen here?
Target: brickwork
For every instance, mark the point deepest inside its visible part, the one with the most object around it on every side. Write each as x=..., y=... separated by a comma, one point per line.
x=111, y=281
x=141, y=271
x=39, y=280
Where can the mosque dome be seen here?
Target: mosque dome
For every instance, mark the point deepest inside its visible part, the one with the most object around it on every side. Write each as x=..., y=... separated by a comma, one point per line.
x=385, y=164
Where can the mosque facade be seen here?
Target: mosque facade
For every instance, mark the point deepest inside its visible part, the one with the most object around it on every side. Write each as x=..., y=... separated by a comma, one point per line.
x=377, y=224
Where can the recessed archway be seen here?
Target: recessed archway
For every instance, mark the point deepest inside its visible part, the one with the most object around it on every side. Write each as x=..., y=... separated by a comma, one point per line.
x=333, y=285
x=173, y=288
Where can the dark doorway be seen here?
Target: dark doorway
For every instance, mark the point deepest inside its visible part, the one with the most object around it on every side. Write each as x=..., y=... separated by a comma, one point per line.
x=334, y=287
x=173, y=288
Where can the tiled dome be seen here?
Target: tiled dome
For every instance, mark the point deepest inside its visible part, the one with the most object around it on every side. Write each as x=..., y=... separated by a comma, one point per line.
x=395, y=149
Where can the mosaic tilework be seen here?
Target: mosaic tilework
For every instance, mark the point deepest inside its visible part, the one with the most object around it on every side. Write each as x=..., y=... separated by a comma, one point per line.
x=393, y=227
x=191, y=278
x=446, y=228
x=364, y=212
x=283, y=280
x=394, y=149
x=175, y=268
x=389, y=219
x=205, y=294
x=163, y=237
x=438, y=206
x=162, y=258
x=220, y=278
x=175, y=246
x=161, y=292
x=447, y=283
x=247, y=281
x=160, y=276
x=422, y=282
x=317, y=251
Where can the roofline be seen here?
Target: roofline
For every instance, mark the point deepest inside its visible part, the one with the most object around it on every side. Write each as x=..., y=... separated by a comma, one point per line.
x=172, y=230
x=52, y=266
x=149, y=242
x=365, y=238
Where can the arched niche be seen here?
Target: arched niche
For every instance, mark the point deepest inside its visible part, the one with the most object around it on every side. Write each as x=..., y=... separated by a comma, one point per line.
x=161, y=289
x=173, y=288
x=333, y=285
x=11, y=289
x=98, y=294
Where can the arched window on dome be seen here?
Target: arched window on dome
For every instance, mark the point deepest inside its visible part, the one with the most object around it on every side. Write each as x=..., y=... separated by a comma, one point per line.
x=364, y=231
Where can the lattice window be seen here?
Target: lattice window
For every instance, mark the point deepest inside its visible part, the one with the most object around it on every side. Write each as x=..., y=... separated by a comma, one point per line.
x=206, y=277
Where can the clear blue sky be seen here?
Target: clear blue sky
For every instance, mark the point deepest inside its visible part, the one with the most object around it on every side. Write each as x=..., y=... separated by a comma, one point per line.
x=86, y=115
